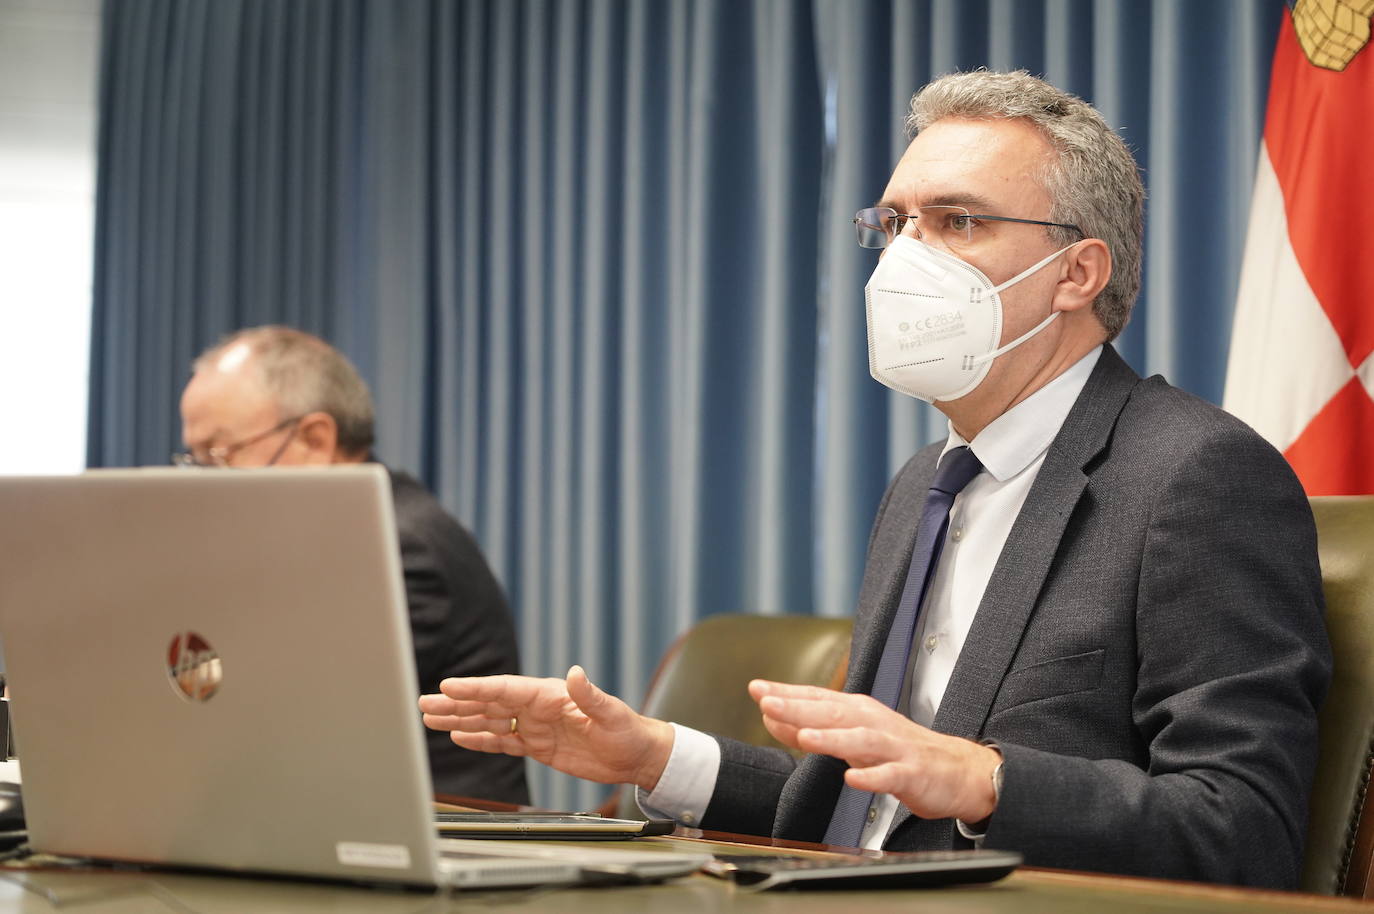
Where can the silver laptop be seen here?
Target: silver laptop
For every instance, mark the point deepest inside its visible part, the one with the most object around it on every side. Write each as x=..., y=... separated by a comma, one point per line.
x=214, y=669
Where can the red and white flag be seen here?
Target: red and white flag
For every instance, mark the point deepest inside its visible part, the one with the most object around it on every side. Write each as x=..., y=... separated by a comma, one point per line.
x=1302, y=348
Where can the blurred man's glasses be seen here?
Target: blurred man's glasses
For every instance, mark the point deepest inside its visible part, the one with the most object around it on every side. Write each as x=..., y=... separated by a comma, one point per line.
x=949, y=226
x=218, y=457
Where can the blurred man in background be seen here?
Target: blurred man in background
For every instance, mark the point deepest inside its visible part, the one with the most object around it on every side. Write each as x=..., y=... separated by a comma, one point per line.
x=274, y=396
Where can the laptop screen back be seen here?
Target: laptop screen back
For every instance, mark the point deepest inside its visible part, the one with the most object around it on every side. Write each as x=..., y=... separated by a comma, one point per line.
x=213, y=668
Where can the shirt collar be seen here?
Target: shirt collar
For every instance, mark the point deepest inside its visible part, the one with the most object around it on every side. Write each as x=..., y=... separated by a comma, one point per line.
x=1012, y=441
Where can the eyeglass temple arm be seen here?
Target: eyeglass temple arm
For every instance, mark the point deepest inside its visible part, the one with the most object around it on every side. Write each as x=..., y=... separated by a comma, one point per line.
x=1067, y=225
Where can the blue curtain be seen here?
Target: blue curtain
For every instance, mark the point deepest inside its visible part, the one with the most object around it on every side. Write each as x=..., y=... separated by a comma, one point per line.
x=595, y=258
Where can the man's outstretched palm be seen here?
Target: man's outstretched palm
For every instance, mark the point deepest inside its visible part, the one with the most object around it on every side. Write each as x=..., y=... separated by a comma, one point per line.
x=570, y=725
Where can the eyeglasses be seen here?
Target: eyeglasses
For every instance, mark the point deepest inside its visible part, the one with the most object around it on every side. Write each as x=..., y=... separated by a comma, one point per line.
x=951, y=226
x=218, y=457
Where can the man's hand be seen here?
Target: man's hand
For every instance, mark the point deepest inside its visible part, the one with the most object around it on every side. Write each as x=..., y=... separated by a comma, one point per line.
x=567, y=724
x=932, y=774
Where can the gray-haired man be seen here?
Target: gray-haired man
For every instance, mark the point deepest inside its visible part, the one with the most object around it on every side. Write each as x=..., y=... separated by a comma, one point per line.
x=1119, y=650
x=274, y=396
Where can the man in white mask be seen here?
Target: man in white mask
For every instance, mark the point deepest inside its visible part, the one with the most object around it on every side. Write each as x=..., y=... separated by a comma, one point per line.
x=1090, y=627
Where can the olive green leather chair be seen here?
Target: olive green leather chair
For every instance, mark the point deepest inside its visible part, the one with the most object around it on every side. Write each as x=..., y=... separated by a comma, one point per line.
x=1340, y=832
x=702, y=680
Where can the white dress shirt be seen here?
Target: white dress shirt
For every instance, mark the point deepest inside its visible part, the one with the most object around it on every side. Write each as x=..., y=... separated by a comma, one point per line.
x=1011, y=448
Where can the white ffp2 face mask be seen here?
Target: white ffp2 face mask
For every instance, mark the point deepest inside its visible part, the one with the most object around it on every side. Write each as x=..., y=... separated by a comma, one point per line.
x=934, y=321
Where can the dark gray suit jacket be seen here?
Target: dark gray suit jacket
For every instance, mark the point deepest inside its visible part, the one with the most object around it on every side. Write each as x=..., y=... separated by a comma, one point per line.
x=461, y=626
x=1149, y=653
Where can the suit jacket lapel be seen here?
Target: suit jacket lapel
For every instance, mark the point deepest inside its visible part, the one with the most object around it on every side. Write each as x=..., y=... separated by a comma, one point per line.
x=1025, y=561
x=809, y=796
x=888, y=559
x=1030, y=549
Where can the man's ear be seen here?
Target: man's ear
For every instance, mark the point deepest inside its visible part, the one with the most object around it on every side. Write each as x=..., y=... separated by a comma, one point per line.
x=320, y=435
x=1087, y=267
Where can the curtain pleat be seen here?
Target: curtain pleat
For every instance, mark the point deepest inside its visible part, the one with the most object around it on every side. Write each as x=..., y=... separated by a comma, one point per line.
x=595, y=258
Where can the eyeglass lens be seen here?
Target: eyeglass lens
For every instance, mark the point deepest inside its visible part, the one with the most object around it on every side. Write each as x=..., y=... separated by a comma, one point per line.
x=949, y=226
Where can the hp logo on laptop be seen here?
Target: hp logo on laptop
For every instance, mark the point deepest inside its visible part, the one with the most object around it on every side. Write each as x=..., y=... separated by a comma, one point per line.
x=193, y=666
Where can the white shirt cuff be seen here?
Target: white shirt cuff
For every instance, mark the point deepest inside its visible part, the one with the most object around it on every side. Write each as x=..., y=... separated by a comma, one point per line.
x=975, y=836
x=688, y=781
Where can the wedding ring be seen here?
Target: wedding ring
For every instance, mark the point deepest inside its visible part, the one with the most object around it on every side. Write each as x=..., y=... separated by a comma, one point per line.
x=515, y=726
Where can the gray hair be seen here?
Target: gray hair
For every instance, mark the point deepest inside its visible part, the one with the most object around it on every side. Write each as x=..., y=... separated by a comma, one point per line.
x=1093, y=181
x=304, y=374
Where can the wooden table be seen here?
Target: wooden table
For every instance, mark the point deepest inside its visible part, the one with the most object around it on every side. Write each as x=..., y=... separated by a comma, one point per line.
x=1024, y=892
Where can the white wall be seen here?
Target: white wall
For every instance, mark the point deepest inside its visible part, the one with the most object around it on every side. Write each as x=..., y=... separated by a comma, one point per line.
x=49, y=52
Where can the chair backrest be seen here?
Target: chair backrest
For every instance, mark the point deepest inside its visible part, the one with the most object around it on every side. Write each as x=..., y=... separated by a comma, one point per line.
x=1340, y=832
x=702, y=680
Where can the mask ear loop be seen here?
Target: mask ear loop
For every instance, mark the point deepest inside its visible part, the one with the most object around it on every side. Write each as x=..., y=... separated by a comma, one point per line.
x=974, y=361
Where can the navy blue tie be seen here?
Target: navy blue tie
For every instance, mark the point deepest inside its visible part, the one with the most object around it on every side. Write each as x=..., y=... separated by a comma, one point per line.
x=956, y=469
